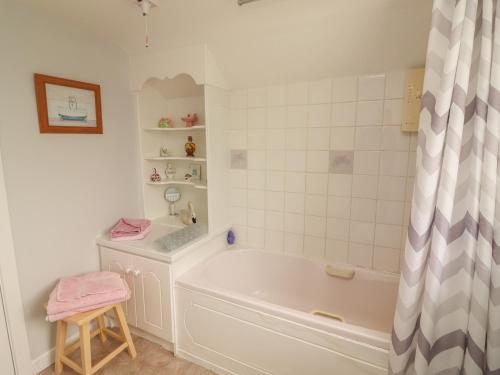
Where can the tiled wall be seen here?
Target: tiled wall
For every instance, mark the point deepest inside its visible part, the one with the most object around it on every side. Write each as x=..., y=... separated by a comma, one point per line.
x=323, y=169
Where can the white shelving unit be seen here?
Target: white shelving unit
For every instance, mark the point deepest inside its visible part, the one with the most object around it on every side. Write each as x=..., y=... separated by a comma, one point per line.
x=177, y=129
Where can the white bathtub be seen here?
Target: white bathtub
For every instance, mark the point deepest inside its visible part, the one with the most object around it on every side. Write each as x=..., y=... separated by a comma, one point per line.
x=249, y=312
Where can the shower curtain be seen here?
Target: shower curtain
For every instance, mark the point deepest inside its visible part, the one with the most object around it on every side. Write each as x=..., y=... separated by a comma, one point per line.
x=447, y=319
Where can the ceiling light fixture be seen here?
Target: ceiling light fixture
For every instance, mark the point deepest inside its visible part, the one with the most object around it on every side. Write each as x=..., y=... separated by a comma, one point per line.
x=146, y=6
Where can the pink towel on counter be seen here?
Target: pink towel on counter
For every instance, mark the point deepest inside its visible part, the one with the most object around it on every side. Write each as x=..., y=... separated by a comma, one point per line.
x=130, y=229
x=73, y=295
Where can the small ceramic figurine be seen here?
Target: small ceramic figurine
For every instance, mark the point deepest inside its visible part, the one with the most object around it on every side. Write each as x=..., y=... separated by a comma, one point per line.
x=155, y=177
x=187, y=177
x=190, y=120
x=169, y=171
x=190, y=147
x=165, y=122
x=163, y=151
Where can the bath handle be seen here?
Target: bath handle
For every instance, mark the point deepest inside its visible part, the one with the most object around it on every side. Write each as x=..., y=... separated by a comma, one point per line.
x=327, y=314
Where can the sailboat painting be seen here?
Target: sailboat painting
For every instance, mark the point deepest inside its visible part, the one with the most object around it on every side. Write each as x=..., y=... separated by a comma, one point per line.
x=70, y=106
x=67, y=106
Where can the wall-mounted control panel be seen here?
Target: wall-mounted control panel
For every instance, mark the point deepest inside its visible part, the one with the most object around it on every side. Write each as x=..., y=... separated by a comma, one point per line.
x=413, y=97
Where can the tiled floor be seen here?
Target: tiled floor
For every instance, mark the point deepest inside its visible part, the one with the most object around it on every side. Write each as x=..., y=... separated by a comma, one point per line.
x=151, y=359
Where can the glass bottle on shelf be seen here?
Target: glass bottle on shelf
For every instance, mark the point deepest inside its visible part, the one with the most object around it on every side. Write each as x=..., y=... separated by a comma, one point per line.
x=190, y=147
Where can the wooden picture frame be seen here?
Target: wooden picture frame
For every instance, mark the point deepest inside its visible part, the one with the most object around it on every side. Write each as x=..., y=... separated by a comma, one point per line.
x=68, y=106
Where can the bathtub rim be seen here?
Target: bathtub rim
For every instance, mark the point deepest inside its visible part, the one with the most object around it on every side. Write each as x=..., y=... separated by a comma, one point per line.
x=361, y=335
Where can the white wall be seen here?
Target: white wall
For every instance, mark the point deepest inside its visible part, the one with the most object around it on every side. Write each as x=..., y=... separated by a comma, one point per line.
x=63, y=190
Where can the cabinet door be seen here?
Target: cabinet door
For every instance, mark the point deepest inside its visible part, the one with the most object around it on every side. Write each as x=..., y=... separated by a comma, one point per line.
x=154, y=309
x=116, y=261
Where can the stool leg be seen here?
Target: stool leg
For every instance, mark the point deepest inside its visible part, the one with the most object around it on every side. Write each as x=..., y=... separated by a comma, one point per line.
x=100, y=324
x=85, y=349
x=60, y=345
x=120, y=316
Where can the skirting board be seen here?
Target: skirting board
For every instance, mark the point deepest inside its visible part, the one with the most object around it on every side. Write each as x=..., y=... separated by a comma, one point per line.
x=203, y=363
x=47, y=359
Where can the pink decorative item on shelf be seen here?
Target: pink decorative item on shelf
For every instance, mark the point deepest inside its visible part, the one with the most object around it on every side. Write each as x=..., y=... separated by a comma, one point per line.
x=190, y=120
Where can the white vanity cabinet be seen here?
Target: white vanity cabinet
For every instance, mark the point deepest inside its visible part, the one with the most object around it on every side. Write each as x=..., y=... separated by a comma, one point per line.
x=149, y=307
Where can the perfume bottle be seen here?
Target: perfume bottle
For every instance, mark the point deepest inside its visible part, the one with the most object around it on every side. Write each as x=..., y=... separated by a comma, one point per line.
x=190, y=147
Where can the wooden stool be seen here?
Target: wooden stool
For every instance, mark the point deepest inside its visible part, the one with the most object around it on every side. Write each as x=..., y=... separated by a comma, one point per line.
x=82, y=321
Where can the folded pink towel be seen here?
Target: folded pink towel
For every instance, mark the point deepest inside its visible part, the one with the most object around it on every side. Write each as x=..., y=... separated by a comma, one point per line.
x=83, y=293
x=130, y=229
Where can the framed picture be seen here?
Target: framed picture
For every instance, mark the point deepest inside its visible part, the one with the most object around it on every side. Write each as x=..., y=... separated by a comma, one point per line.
x=67, y=106
x=195, y=171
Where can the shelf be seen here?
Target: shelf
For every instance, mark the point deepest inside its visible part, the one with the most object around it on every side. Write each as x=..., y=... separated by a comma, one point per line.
x=177, y=182
x=179, y=129
x=160, y=158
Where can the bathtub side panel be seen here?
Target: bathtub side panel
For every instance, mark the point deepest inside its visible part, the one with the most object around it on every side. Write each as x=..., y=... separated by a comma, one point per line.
x=233, y=339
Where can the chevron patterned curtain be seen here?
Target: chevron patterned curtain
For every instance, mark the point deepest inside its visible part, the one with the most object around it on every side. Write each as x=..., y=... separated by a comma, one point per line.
x=447, y=319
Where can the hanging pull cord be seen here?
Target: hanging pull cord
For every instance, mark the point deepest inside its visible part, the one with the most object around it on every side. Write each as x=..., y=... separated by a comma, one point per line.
x=147, y=30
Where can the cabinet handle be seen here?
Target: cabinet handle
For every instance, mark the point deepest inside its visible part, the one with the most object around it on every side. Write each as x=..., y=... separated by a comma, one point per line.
x=128, y=270
x=136, y=273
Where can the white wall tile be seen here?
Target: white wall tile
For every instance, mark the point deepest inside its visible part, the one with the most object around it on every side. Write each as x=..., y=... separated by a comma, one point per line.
x=296, y=139
x=294, y=223
x=276, y=96
x=274, y=220
x=390, y=212
x=238, y=119
x=344, y=114
x=239, y=197
x=295, y=182
x=317, y=183
x=371, y=87
x=410, y=182
x=275, y=181
x=276, y=117
x=238, y=139
x=340, y=185
x=345, y=89
x=369, y=113
x=238, y=178
x=320, y=91
x=256, y=199
x=297, y=93
x=296, y=116
x=275, y=200
x=256, y=159
x=392, y=188
x=296, y=161
x=319, y=115
x=275, y=139
x=361, y=254
x=393, y=112
x=295, y=202
x=274, y=240
x=367, y=138
x=239, y=215
x=412, y=164
x=256, y=218
x=337, y=229
x=256, y=237
x=394, y=139
x=386, y=259
x=413, y=142
x=256, y=97
x=241, y=234
x=294, y=243
x=314, y=247
x=342, y=138
x=318, y=138
x=337, y=251
x=256, y=180
x=238, y=99
x=257, y=118
x=318, y=161
x=361, y=232
x=394, y=163
x=366, y=162
x=316, y=204
x=388, y=235
x=339, y=207
x=395, y=84
x=276, y=160
x=364, y=186
x=363, y=209
x=257, y=139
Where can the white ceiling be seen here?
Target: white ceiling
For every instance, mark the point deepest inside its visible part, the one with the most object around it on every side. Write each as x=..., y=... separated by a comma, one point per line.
x=269, y=41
